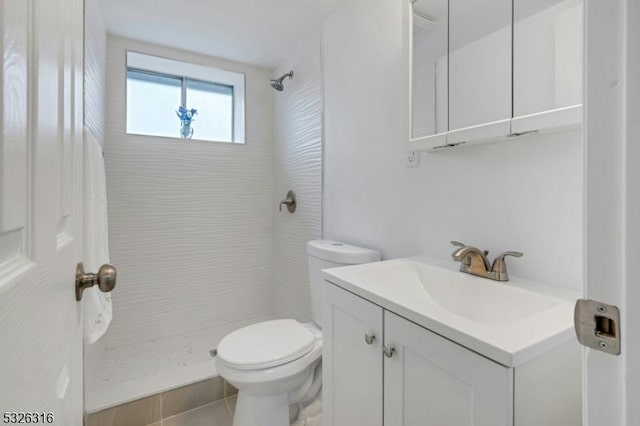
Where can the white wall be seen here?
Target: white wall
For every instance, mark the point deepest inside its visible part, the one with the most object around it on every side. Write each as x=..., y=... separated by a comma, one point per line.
x=298, y=166
x=524, y=194
x=191, y=222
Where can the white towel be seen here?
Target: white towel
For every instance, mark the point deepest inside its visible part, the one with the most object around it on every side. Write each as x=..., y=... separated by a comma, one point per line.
x=97, y=311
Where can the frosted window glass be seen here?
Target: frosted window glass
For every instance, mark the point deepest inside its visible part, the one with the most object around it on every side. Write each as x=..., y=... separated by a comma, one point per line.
x=152, y=101
x=214, y=102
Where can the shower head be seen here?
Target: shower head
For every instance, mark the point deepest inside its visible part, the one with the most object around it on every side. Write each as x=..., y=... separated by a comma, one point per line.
x=277, y=83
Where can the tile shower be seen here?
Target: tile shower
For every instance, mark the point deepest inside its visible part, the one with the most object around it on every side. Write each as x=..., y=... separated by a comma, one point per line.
x=200, y=247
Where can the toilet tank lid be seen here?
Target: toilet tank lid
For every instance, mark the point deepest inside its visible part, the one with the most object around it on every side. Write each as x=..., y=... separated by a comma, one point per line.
x=338, y=252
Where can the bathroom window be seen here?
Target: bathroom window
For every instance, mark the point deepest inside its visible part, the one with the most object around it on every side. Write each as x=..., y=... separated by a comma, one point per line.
x=176, y=99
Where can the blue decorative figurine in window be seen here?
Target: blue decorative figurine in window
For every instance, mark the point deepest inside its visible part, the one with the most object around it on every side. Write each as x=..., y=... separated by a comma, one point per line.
x=186, y=117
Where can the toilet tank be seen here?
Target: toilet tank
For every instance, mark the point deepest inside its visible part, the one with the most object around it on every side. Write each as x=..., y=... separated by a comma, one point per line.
x=325, y=254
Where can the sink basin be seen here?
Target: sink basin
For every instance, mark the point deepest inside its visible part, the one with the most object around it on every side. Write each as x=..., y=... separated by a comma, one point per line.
x=506, y=321
x=480, y=300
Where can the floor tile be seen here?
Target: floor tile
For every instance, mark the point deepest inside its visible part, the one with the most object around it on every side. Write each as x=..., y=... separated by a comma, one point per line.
x=142, y=412
x=229, y=389
x=216, y=414
x=192, y=396
x=231, y=403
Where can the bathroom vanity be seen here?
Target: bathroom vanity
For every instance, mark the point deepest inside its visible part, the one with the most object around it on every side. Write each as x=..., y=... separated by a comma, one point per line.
x=408, y=340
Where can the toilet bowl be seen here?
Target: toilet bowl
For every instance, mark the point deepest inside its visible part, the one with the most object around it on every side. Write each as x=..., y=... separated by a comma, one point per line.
x=271, y=364
x=277, y=364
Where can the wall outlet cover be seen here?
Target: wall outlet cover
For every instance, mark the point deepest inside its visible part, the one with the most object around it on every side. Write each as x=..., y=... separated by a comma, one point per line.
x=413, y=159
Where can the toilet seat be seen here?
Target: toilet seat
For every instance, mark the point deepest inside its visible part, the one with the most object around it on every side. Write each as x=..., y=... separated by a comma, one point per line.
x=266, y=344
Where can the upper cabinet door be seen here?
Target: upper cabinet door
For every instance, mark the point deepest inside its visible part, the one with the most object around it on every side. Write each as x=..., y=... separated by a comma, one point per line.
x=429, y=68
x=480, y=65
x=548, y=55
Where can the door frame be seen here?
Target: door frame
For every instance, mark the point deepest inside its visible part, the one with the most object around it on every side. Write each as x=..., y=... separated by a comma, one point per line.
x=612, y=203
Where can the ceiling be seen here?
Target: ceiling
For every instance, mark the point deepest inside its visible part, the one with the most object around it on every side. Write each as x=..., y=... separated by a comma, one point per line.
x=258, y=32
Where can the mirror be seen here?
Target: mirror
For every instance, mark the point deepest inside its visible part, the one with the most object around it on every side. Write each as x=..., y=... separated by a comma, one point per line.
x=479, y=62
x=429, y=68
x=548, y=55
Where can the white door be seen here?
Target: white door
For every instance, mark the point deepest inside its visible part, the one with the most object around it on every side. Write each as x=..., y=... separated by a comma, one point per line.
x=40, y=210
x=351, y=360
x=612, y=163
x=431, y=381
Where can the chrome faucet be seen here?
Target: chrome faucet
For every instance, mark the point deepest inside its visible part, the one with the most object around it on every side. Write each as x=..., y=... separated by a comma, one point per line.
x=475, y=262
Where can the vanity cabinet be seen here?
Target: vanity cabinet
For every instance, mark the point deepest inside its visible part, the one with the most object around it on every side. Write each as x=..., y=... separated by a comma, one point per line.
x=431, y=381
x=382, y=369
x=352, y=379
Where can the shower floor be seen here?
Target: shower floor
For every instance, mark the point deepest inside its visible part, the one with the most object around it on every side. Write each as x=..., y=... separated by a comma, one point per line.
x=131, y=372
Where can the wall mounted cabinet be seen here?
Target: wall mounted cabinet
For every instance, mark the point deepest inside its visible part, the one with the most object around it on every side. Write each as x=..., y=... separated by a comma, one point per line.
x=547, y=64
x=430, y=69
x=382, y=369
x=479, y=63
x=485, y=71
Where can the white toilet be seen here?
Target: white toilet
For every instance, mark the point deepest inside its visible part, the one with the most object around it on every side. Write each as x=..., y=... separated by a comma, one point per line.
x=275, y=364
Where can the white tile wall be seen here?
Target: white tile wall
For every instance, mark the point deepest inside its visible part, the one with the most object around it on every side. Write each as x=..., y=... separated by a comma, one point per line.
x=297, y=166
x=191, y=222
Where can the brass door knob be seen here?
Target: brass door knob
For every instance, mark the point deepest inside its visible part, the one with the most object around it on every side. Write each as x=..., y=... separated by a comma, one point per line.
x=105, y=279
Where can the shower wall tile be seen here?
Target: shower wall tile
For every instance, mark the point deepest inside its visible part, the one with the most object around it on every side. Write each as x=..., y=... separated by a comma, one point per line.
x=191, y=222
x=298, y=166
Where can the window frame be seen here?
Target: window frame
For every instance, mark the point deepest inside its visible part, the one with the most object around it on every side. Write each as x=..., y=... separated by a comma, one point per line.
x=164, y=67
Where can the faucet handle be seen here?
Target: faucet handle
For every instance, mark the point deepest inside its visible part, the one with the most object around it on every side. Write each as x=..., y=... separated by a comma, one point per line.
x=457, y=244
x=499, y=267
x=511, y=253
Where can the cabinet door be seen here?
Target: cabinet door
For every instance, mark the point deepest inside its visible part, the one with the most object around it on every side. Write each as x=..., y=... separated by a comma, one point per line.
x=431, y=381
x=547, y=63
x=479, y=62
x=352, y=367
x=429, y=68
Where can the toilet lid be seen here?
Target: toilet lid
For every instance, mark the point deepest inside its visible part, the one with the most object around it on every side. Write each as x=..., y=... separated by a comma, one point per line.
x=266, y=344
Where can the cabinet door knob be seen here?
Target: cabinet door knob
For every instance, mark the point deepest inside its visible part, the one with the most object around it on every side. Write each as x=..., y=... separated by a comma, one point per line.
x=388, y=350
x=369, y=338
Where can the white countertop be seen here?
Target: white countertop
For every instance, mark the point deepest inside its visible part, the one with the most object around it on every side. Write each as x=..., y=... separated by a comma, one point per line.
x=511, y=334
